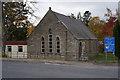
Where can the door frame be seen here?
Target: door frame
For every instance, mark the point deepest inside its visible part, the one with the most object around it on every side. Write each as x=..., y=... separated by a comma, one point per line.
x=79, y=50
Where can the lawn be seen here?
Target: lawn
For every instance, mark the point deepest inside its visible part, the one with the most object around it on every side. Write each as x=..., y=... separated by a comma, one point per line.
x=102, y=57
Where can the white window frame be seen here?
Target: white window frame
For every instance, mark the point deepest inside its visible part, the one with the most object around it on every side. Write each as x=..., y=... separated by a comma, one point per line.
x=8, y=48
x=19, y=47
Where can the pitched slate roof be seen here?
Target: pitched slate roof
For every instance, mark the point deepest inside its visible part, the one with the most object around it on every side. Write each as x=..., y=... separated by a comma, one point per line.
x=77, y=28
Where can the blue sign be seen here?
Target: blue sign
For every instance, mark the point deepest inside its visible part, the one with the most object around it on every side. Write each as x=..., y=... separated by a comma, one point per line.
x=109, y=44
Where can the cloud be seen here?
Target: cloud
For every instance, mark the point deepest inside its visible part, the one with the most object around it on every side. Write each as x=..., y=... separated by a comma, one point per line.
x=96, y=8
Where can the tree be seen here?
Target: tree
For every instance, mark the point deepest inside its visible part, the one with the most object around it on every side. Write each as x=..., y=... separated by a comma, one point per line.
x=15, y=22
x=108, y=28
x=96, y=25
x=72, y=16
x=116, y=34
x=111, y=21
x=15, y=19
x=79, y=16
x=86, y=17
x=110, y=14
x=31, y=28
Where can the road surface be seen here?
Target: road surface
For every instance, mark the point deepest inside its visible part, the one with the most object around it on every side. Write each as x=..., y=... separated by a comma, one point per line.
x=47, y=70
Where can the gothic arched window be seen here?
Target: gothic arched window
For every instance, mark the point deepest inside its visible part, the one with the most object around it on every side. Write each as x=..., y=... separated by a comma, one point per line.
x=57, y=45
x=50, y=40
x=42, y=45
x=50, y=31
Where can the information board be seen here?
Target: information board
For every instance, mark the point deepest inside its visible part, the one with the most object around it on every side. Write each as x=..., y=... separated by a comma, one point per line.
x=109, y=44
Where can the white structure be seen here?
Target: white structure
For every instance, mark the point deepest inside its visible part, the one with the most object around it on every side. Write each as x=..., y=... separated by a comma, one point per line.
x=16, y=49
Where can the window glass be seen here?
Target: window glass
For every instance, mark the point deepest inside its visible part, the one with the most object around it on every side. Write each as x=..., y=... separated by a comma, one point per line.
x=57, y=45
x=42, y=45
x=50, y=41
x=20, y=48
x=50, y=50
x=9, y=49
x=50, y=31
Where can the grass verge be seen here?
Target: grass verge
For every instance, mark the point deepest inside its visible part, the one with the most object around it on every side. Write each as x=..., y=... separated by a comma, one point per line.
x=102, y=57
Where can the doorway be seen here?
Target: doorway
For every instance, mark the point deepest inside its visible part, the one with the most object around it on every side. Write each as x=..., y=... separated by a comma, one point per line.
x=80, y=50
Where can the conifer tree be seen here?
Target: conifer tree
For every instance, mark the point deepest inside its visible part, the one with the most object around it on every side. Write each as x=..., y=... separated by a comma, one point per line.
x=116, y=34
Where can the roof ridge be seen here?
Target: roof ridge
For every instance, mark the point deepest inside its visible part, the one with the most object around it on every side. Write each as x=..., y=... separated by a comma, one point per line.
x=59, y=13
x=66, y=16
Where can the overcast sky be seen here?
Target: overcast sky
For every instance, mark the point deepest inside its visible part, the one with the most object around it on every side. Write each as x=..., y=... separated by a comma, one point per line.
x=68, y=7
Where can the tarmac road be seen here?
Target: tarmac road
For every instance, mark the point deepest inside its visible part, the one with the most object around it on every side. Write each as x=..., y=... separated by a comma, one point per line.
x=51, y=70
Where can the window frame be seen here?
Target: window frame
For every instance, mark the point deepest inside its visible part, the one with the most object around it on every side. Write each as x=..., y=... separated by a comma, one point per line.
x=58, y=44
x=9, y=47
x=50, y=36
x=42, y=44
x=19, y=49
x=50, y=46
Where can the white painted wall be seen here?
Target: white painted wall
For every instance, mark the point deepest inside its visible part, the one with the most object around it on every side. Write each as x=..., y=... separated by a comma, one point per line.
x=15, y=53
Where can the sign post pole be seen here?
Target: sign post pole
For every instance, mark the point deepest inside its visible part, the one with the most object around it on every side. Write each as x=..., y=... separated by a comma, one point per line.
x=110, y=46
x=106, y=57
x=113, y=57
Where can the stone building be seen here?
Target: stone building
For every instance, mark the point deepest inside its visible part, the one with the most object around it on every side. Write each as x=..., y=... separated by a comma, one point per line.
x=59, y=36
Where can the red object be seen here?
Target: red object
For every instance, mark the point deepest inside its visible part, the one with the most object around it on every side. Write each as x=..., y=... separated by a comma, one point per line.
x=16, y=43
x=0, y=42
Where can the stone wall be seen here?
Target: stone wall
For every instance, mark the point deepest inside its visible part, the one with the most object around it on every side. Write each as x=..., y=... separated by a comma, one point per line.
x=58, y=30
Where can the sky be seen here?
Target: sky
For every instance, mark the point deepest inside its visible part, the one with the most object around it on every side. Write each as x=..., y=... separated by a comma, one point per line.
x=73, y=6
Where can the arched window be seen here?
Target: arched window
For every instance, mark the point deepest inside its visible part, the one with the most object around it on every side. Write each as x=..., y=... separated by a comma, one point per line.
x=50, y=41
x=42, y=45
x=50, y=31
x=57, y=45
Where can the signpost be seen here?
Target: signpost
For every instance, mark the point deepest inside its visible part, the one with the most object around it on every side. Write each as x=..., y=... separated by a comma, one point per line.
x=109, y=46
